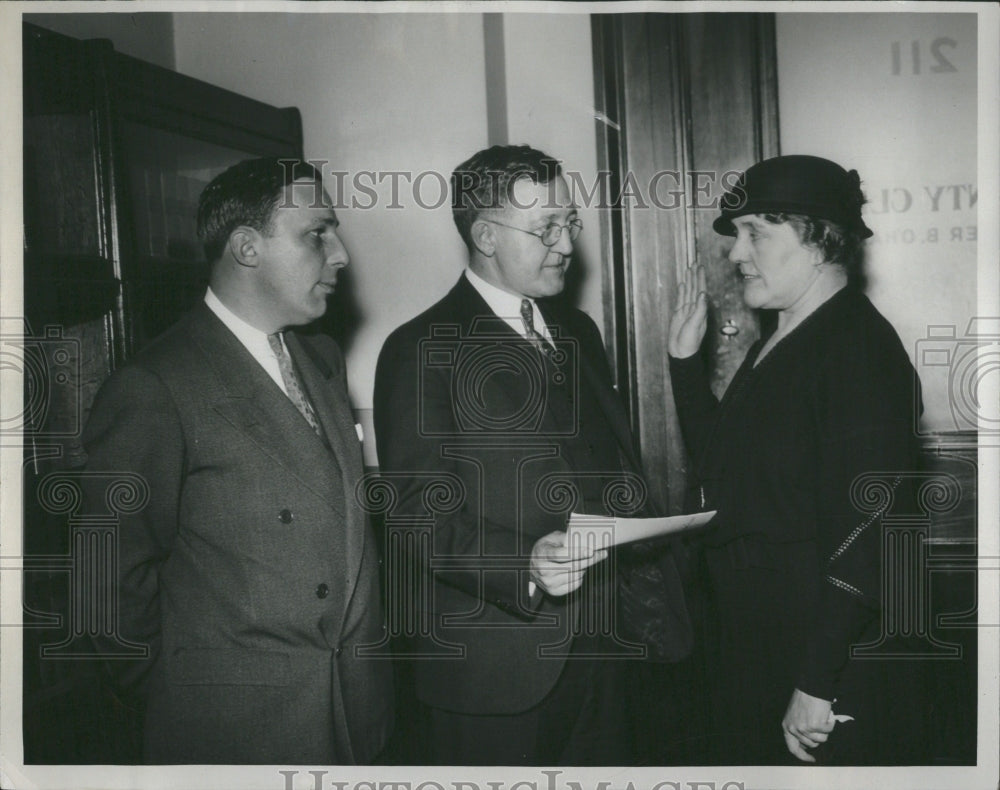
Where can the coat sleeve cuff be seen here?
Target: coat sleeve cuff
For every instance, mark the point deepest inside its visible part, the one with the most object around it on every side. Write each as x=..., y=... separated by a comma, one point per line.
x=842, y=620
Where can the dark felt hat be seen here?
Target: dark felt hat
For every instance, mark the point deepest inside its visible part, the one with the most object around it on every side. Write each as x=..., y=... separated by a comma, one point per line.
x=796, y=184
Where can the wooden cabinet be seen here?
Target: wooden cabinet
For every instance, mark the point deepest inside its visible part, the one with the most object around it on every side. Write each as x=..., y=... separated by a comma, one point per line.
x=116, y=153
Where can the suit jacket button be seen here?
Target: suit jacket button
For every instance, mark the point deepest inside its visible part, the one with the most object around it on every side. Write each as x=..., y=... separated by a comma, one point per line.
x=323, y=590
x=337, y=652
x=285, y=516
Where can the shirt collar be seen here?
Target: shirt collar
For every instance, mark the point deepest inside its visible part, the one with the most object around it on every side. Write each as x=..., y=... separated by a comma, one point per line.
x=504, y=304
x=507, y=306
x=249, y=336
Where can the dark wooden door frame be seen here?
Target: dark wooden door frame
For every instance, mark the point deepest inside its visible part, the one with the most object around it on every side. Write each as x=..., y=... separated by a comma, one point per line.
x=677, y=94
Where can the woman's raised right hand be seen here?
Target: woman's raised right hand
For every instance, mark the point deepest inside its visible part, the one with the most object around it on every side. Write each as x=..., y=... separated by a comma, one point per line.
x=690, y=315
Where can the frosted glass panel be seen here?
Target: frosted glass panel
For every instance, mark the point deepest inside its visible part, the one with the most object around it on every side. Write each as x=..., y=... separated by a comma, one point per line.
x=167, y=173
x=894, y=96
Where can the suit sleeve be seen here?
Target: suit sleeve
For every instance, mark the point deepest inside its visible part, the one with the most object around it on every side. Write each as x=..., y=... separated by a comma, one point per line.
x=650, y=596
x=408, y=397
x=697, y=406
x=134, y=427
x=865, y=414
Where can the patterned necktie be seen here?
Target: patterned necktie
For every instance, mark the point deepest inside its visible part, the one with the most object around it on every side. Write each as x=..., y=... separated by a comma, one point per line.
x=295, y=393
x=533, y=335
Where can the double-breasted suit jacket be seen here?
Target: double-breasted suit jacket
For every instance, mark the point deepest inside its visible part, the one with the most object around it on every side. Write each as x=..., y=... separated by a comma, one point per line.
x=456, y=395
x=251, y=573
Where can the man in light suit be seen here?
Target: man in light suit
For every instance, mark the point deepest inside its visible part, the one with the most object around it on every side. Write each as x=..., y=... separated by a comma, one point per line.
x=504, y=394
x=251, y=573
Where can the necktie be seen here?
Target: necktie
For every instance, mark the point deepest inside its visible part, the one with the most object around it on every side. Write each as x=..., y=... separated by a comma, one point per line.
x=533, y=335
x=295, y=393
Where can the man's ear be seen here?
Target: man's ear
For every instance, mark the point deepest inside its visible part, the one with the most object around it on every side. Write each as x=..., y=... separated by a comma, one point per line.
x=242, y=245
x=483, y=237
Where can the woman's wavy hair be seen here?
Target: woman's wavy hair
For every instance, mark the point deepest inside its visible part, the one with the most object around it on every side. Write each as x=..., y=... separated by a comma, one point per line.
x=837, y=244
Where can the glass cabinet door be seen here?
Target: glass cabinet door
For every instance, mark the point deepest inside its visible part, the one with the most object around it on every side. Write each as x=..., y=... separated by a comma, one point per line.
x=166, y=175
x=164, y=269
x=61, y=193
x=116, y=154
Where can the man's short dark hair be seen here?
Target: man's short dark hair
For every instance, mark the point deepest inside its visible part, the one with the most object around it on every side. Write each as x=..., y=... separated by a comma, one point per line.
x=246, y=194
x=486, y=180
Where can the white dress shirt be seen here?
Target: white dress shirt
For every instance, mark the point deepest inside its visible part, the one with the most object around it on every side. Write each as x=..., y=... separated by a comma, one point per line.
x=253, y=339
x=507, y=306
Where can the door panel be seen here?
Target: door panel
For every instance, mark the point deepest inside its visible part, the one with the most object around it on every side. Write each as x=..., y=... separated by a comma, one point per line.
x=689, y=98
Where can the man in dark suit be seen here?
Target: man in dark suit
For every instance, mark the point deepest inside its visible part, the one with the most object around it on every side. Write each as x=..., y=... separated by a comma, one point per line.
x=251, y=573
x=503, y=395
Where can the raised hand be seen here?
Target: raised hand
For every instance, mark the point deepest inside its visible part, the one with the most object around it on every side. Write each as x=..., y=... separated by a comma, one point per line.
x=690, y=315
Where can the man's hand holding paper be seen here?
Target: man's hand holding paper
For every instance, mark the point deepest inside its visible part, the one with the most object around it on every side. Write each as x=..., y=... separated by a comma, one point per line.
x=558, y=563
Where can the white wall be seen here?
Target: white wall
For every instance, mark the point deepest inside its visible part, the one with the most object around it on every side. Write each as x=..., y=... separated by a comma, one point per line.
x=385, y=92
x=392, y=92
x=382, y=92
x=550, y=105
x=909, y=128
x=408, y=92
x=377, y=92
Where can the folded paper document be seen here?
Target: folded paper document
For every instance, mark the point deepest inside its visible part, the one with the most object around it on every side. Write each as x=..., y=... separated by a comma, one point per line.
x=604, y=531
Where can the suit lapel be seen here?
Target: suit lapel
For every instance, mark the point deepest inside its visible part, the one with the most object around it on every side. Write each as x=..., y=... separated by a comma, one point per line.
x=323, y=388
x=614, y=411
x=251, y=401
x=470, y=305
x=327, y=389
x=476, y=318
x=475, y=315
x=605, y=396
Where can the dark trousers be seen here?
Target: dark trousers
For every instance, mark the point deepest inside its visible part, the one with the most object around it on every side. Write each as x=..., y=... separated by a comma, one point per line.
x=581, y=721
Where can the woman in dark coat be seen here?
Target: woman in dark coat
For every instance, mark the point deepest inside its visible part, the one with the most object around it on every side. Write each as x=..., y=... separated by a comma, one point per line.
x=793, y=568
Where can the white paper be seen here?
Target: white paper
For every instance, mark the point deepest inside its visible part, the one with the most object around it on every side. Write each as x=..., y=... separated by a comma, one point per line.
x=605, y=531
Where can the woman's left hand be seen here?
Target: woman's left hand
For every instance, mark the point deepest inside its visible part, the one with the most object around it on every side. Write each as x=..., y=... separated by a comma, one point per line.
x=808, y=722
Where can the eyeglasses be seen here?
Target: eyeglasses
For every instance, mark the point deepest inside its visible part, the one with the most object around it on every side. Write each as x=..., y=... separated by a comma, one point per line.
x=552, y=233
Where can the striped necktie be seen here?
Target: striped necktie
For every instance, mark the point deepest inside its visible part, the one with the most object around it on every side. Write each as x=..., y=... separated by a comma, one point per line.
x=533, y=335
x=292, y=386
